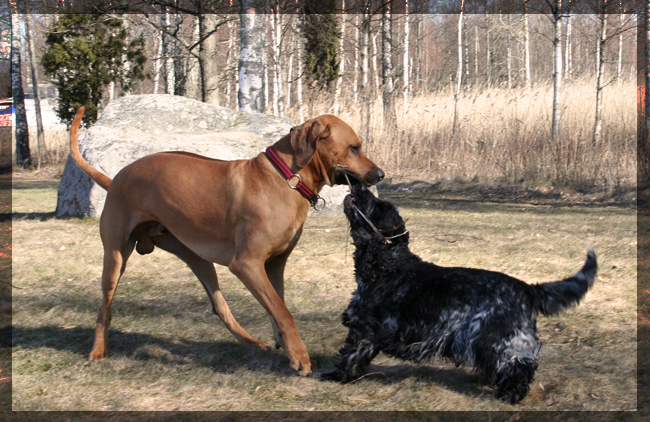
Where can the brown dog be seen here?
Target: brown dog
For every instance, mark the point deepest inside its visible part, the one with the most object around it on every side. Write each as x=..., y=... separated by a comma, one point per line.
x=240, y=214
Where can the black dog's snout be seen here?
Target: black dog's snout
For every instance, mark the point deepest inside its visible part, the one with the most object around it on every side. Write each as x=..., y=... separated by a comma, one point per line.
x=380, y=174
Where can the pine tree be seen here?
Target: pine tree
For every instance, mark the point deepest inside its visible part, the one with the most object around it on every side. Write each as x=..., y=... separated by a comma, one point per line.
x=85, y=53
x=321, y=42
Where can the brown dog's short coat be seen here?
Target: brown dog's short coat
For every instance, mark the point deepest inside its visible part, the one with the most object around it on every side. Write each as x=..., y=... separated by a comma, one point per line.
x=240, y=214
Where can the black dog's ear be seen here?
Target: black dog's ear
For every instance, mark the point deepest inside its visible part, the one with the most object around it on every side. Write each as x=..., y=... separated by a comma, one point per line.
x=304, y=139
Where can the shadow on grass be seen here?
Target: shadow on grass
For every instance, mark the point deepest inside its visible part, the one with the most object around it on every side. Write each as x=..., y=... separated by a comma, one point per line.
x=229, y=356
x=420, y=194
x=35, y=184
x=219, y=356
x=458, y=380
x=17, y=216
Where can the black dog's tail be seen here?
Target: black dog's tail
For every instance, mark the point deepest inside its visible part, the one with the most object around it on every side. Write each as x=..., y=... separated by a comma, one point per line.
x=551, y=298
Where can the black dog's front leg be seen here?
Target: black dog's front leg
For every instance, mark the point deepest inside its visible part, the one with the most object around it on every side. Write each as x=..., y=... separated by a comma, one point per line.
x=352, y=360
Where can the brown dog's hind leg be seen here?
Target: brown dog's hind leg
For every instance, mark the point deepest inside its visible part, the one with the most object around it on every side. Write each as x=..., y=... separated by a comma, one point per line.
x=114, y=265
x=205, y=272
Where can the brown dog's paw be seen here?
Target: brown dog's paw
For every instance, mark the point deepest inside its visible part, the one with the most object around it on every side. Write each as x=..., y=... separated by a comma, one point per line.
x=303, y=369
x=254, y=344
x=95, y=356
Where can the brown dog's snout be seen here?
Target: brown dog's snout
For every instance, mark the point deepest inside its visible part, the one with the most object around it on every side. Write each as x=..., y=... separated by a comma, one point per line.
x=374, y=176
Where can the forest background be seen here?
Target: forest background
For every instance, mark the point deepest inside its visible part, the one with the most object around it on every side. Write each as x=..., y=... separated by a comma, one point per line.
x=524, y=94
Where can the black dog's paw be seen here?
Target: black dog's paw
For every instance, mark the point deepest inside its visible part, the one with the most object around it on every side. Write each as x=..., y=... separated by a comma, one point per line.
x=335, y=375
x=513, y=395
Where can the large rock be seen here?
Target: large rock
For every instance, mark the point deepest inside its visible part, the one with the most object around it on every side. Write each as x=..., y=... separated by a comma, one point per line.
x=134, y=126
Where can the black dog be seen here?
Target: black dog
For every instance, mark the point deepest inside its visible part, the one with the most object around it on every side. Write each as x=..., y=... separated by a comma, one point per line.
x=416, y=310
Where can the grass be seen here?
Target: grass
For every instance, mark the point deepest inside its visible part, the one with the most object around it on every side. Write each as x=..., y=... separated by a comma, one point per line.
x=167, y=351
x=504, y=136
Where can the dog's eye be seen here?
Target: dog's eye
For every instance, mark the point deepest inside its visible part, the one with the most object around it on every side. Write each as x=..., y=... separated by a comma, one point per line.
x=355, y=149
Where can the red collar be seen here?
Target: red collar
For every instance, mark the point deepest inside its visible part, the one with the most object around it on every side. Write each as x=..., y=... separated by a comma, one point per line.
x=312, y=197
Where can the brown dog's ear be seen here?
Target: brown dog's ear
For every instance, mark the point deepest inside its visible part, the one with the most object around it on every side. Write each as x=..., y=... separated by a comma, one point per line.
x=304, y=139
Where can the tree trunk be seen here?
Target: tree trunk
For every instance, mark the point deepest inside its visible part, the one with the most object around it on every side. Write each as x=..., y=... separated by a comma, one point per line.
x=126, y=65
x=620, y=42
x=529, y=83
x=459, y=73
x=357, y=60
x=476, y=50
x=266, y=84
x=600, y=80
x=339, y=80
x=289, y=79
x=157, y=64
x=509, y=53
x=252, y=60
x=193, y=65
x=170, y=80
x=417, y=69
x=276, y=34
x=229, y=55
x=405, y=63
x=375, y=69
x=301, y=108
x=207, y=59
x=365, y=94
x=557, y=72
x=568, y=48
x=466, y=55
x=390, y=115
x=644, y=154
x=40, y=135
x=23, y=157
x=488, y=52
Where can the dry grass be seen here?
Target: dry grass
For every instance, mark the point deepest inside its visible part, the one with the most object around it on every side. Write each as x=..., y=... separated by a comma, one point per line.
x=168, y=351
x=57, y=146
x=504, y=136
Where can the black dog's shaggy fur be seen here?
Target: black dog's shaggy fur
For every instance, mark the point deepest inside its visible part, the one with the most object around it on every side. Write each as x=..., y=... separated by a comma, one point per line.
x=416, y=310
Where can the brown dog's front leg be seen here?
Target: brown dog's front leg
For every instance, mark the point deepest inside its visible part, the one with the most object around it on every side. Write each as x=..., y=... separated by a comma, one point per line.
x=252, y=273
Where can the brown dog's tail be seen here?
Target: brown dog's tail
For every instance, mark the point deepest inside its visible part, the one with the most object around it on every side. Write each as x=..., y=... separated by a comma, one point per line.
x=100, y=178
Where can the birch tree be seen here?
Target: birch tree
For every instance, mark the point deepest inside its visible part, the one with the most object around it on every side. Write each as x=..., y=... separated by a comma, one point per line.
x=509, y=51
x=556, y=10
x=619, y=63
x=529, y=83
x=23, y=156
x=278, y=97
x=193, y=70
x=252, y=59
x=390, y=118
x=600, y=74
x=645, y=144
x=488, y=50
x=208, y=70
x=357, y=60
x=568, y=56
x=375, y=68
x=40, y=135
x=158, y=60
x=365, y=94
x=299, y=90
x=405, y=61
x=168, y=61
x=339, y=81
x=459, y=73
